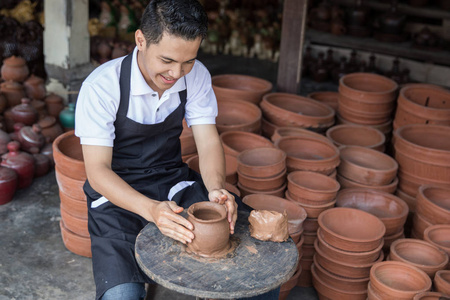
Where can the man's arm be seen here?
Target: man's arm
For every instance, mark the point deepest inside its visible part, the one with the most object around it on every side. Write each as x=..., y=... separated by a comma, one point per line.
x=165, y=214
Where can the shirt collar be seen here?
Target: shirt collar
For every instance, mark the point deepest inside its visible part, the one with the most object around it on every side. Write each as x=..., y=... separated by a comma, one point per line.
x=139, y=86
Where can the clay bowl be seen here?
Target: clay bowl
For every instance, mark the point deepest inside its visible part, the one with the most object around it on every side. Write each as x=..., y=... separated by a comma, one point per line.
x=346, y=183
x=309, y=154
x=313, y=210
x=296, y=131
x=389, y=239
x=368, y=87
x=230, y=167
x=391, y=210
x=351, y=229
x=360, y=258
x=430, y=296
x=75, y=243
x=315, y=187
x=297, y=236
x=327, y=291
x=385, y=128
x=68, y=155
x=398, y=280
x=262, y=184
x=377, y=108
x=433, y=203
x=356, y=135
x=238, y=115
x=420, y=224
x=285, y=109
x=410, y=200
x=367, y=166
x=327, y=97
x=279, y=192
x=311, y=225
x=261, y=162
x=233, y=86
x=368, y=118
x=267, y=128
x=438, y=235
x=420, y=254
x=296, y=214
x=234, y=142
x=308, y=251
x=442, y=281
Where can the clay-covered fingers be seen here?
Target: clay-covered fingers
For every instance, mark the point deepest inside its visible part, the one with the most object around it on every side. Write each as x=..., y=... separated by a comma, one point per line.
x=171, y=224
x=222, y=196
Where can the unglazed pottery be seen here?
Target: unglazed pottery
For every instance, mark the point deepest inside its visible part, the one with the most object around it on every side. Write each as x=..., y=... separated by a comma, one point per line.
x=75, y=243
x=234, y=142
x=68, y=156
x=346, y=183
x=25, y=113
x=261, y=162
x=76, y=225
x=21, y=162
x=262, y=184
x=438, y=235
x=327, y=97
x=296, y=131
x=8, y=184
x=433, y=203
x=314, y=188
x=76, y=207
x=50, y=127
x=430, y=296
x=238, y=115
x=55, y=104
x=312, y=210
x=356, y=135
x=31, y=137
x=14, y=68
x=368, y=87
x=35, y=87
x=442, y=281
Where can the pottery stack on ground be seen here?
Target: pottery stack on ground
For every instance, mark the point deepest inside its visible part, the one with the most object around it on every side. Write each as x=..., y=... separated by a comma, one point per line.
x=367, y=168
x=188, y=147
x=296, y=131
x=327, y=97
x=291, y=110
x=438, y=235
x=349, y=242
x=230, y=167
x=357, y=135
x=385, y=128
x=422, y=105
x=262, y=171
x=432, y=207
x=242, y=87
x=234, y=142
x=238, y=115
x=420, y=254
x=71, y=176
x=391, y=210
x=441, y=282
x=423, y=155
x=396, y=280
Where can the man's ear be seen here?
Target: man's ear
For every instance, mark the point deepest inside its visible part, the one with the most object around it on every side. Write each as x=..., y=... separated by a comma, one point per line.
x=139, y=39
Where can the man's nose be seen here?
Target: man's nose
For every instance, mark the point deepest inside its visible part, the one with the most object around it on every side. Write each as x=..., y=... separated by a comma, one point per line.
x=176, y=71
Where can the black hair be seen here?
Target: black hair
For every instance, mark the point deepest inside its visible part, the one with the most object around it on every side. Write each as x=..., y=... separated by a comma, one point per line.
x=182, y=18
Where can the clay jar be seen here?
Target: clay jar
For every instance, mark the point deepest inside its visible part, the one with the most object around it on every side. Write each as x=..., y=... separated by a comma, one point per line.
x=8, y=184
x=21, y=162
x=13, y=91
x=25, y=113
x=14, y=68
x=211, y=229
x=35, y=87
x=55, y=104
x=31, y=137
x=50, y=128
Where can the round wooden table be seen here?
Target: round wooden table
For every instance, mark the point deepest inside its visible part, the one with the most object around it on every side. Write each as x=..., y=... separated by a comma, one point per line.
x=254, y=268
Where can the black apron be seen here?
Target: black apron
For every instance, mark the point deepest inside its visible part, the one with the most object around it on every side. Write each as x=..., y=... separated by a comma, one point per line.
x=148, y=158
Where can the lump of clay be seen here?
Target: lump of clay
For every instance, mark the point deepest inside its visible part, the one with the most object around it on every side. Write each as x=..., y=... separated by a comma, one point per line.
x=266, y=225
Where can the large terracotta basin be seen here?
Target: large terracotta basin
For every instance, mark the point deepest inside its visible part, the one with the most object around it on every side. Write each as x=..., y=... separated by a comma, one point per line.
x=243, y=87
x=315, y=187
x=327, y=97
x=235, y=142
x=356, y=135
x=368, y=87
x=68, y=155
x=238, y=115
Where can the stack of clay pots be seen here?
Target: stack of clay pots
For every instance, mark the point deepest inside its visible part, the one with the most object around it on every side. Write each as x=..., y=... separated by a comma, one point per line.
x=397, y=280
x=262, y=171
x=188, y=147
x=367, y=168
x=441, y=282
x=438, y=235
x=349, y=242
x=238, y=115
x=357, y=135
x=327, y=97
x=290, y=110
x=71, y=176
x=234, y=142
x=391, y=210
x=296, y=131
x=315, y=193
x=432, y=207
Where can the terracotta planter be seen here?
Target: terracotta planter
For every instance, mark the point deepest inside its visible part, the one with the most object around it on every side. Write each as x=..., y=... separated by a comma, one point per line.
x=326, y=97
x=76, y=207
x=346, y=183
x=279, y=192
x=248, y=88
x=75, y=243
x=368, y=87
x=442, y=281
x=438, y=235
x=433, y=203
x=422, y=105
x=292, y=110
x=238, y=115
x=261, y=162
x=366, y=166
x=309, y=154
x=398, y=280
x=296, y=214
x=14, y=68
x=76, y=225
x=235, y=142
x=230, y=167
x=429, y=296
x=70, y=186
x=314, y=188
x=356, y=135
x=419, y=225
x=262, y=184
x=296, y=131
x=420, y=254
x=68, y=156
x=391, y=210
x=351, y=229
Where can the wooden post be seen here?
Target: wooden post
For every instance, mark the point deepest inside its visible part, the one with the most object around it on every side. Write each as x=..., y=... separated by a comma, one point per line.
x=291, y=48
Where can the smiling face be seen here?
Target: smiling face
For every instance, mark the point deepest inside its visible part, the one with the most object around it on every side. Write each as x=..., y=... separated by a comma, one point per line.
x=162, y=64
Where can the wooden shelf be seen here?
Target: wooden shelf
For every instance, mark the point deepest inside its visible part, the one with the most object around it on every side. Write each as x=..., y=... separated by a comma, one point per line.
x=405, y=49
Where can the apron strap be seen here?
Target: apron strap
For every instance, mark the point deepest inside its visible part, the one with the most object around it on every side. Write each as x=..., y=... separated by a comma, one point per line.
x=124, y=82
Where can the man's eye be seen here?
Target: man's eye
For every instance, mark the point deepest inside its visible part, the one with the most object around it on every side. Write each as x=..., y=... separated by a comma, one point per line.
x=166, y=61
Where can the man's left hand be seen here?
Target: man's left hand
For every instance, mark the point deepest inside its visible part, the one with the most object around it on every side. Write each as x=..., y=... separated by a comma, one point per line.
x=222, y=196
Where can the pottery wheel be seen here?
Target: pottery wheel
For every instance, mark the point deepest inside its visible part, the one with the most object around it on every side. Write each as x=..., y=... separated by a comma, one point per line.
x=255, y=267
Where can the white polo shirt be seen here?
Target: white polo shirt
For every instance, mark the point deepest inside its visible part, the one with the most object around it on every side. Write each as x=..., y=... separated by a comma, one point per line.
x=99, y=98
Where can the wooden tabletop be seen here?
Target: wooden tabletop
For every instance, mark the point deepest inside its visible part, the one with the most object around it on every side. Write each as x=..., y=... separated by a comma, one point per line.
x=255, y=267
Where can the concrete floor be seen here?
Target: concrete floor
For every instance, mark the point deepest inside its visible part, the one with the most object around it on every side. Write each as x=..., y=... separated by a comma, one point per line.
x=34, y=263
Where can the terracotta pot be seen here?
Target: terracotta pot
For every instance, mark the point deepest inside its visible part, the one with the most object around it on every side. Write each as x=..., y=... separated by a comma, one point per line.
x=410, y=183
x=285, y=109
x=75, y=243
x=68, y=156
x=267, y=128
x=391, y=210
x=8, y=184
x=398, y=280
x=346, y=183
x=368, y=87
x=39, y=105
x=422, y=105
x=326, y=97
x=305, y=278
x=211, y=229
x=230, y=167
x=248, y=88
x=14, y=68
x=238, y=115
x=25, y=113
x=55, y=104
x=76, y=207
x=279, y=192
x=375, y=109
x=309, y=154
x=356, y=135
x=411, y=201
x=419, y=225
x=41, y=163
x=296, y=214
x=70, y=186
x=433, y=204
x=312, y=210
x=314, y=187
x=438, y=235
x=35, y=87
x=31, y=137
x=296, y=131
x=442, y=281
x=385, y=128
x=297, y=236
x=429, y=296
x=389, y=239
x=13, y=91
x=261, y=162
x=420, y=254
x=233, y=189
x=310, y=225
x=21, y=162
x=234, y=142
x=262, y=184
x=363, y=118
x=351, y=229
x=50, y=128
x=76, y=225
x=366, y=166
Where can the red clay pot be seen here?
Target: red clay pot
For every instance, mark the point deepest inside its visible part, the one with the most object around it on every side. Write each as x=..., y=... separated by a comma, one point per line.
x=76, y=225
x=55, y=104
x=433, y=203
x=13, y=91
x=389, y=239
x=368, y=87
x=68, y=155
x=243, y=87
x=8, y=184
x=279, y=192
x=262, y=184
x=442, y=281
x=75, y=243
x=356, y=135
x=419, y=225
x=296, y=131
x=261, y=162
x=311, y=225
x=14, y=68
x=230, y=167
x=234, y=142
x=410, y=183
x=411, y=201
x=76, y=207
x=315, y=188
x=267, y=128
x=70, y=186
x=35, y=87
x=21, y=162
x=313, y=210
x=238, y=115
x=290, y=284
x=50, y=127
x=25, y=113
x=326, y=97
x=385, y=128
x=346, y=183
x=438, y=235
x=31, y=137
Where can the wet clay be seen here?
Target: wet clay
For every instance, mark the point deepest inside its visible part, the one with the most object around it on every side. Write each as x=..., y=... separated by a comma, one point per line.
x=266, y=225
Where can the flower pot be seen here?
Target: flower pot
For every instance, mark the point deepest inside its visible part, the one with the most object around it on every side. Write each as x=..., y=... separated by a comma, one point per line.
x=261, y=162
x=243, y=87
x=356, y=135
x=68, y=156
x=238, y=115
x=234, y=142
x=346, y=183
x=438, y=235
x=442, y=281
x=433, y=203
x=317, y=188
